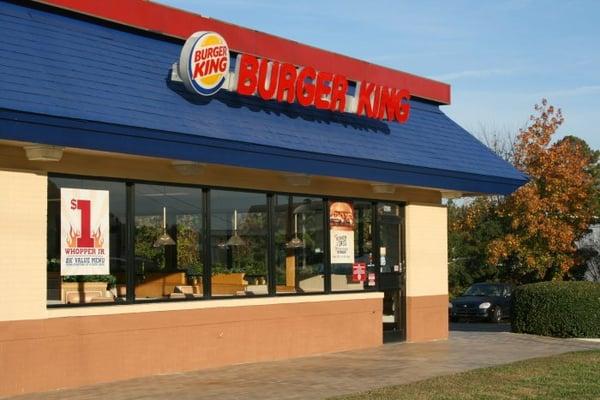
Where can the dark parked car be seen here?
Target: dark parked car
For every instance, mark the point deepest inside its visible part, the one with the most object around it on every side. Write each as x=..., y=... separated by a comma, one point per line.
x=484, y=301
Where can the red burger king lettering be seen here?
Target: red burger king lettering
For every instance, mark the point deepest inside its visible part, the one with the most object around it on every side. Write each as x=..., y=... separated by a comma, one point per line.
x=284, y=82
x=376, y=101
x=323, y=90
x=204, y=68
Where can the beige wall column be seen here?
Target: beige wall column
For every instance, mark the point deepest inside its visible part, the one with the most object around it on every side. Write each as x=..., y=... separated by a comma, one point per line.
x=23, y=245
x=426, y=272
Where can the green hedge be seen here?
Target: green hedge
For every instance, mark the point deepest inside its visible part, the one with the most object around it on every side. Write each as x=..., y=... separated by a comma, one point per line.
x=561, y=309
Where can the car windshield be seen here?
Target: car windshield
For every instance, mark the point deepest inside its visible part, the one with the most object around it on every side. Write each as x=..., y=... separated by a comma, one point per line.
x=484, y=290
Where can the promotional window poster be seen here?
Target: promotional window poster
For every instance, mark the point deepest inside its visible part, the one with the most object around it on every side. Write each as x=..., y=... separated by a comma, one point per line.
x=341, y=221
x=84, y=226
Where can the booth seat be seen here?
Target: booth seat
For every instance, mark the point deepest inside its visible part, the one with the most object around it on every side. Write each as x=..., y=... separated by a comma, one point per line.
x=228, y=284
x=159, y=284
x=85, y=292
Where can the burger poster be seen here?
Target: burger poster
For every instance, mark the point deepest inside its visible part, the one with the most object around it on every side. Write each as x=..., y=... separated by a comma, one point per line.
x=341, y=222
x=84, y=227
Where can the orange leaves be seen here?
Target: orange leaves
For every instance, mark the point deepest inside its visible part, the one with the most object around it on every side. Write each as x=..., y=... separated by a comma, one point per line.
x=554, y=209
x=500, y=249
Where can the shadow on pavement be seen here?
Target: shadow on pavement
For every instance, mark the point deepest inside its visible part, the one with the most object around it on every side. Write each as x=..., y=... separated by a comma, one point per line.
x=479, y=327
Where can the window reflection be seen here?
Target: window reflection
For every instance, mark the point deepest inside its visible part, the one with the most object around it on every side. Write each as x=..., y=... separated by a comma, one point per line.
x=168, y=226
x=169, y=236
x=299, y=244
x=238, y=243
x=359, y=275
x=78, y=289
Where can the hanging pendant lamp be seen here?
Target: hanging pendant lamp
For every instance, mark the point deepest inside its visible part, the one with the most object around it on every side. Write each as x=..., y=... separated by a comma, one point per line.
x=164, y=239
x=296, y=242
x=235, y=240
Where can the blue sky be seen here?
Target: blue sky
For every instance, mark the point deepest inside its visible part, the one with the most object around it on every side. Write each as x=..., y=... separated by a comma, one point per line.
x=501, y=57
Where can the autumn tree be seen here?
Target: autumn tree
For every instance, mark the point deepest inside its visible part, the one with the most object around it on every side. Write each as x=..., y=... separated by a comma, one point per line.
x=472, y=226
x=545, y=217
x=593, y=168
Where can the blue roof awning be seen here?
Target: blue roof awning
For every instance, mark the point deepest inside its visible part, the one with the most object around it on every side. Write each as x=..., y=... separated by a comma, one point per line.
x=72, y=82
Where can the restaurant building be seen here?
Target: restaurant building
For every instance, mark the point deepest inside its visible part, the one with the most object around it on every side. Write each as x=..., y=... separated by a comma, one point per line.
x=182, y=193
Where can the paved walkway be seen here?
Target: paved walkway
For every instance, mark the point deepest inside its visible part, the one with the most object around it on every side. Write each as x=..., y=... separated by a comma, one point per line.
x=333, y=374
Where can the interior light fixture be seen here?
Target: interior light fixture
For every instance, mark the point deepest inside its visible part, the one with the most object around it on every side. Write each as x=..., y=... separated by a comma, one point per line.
x=187, y=168
x=297, y=179
x=296, y=242
x=235, y=240
x=164, y=239
x=383, y=188
x=42, y=152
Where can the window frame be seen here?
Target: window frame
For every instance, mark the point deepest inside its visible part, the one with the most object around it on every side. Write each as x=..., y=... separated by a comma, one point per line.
x=205, y=242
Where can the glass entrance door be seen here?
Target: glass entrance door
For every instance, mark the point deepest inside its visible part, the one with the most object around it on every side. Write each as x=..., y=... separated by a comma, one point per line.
x=391, y=269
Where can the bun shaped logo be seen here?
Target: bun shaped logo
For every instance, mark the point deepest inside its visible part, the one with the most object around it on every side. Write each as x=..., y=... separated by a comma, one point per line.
x=204, y=63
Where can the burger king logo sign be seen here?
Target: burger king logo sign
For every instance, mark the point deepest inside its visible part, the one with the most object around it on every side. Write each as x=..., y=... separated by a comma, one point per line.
x=204, y=63
x=204, y=67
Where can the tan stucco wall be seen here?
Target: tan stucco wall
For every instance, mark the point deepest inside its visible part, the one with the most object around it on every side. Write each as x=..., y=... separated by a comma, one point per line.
x=426, y=272
x=426, y=250
x=22, y=245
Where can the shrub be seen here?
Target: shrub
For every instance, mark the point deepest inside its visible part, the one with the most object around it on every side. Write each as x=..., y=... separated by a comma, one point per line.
x=561, y=309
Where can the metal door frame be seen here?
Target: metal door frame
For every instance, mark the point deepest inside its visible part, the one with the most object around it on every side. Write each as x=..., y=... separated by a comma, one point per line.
x=376, y=254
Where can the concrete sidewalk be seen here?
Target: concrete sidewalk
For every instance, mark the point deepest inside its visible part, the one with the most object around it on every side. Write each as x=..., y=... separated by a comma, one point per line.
x=332, y=374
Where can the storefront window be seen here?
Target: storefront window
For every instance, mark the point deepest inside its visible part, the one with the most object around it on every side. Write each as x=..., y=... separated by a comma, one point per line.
x=352, y=223
x=88, y=243
x=168, y=228
x=86, y=230
x=238, y=243
x=299, y=244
